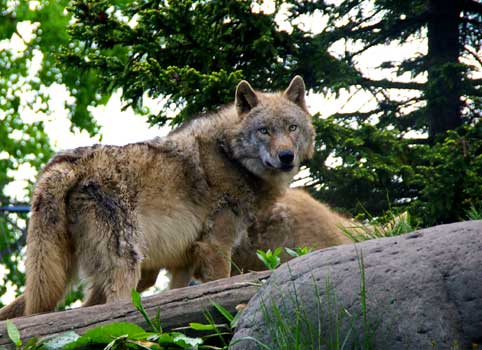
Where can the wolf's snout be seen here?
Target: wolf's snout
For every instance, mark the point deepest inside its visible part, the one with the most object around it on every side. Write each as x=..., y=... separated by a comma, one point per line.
x=286, y=157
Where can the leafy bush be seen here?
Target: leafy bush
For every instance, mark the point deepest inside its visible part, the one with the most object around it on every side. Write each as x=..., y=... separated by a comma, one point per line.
x=436, y=183
x=125, y=335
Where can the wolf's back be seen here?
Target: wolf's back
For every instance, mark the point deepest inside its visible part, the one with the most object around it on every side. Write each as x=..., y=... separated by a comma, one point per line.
x=49, y=251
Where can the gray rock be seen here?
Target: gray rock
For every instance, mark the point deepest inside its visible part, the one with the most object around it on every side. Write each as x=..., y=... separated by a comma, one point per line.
x=423, y=291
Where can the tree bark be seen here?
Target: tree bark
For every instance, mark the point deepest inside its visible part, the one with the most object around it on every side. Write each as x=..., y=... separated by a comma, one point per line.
x=178, y=308
x=443, y=89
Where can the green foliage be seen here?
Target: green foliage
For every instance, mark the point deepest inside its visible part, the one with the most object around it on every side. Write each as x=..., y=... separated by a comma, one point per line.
x=448, y=177
x=387, y=226
x=271, y=259
x=193, y=52
x=31, y=36
x=298, y=251
x=13, y=334
x=154, y=324
x=223, y=337
x=12, y=238
x=125, y=335
x=109, y=335
x=224, y=312
x=474, y=214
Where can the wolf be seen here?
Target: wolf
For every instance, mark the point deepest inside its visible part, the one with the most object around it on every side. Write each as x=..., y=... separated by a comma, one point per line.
x=115, y=215
x=296, y=219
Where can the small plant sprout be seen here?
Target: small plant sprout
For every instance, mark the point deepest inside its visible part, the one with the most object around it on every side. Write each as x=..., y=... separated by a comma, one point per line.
x=298, y=251
x=270, y=258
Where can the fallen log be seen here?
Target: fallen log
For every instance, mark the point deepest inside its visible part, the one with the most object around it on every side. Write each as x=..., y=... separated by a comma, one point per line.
x=177, y=307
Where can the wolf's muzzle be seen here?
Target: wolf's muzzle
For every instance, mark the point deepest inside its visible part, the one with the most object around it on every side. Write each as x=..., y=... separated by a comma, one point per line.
x=286, y=158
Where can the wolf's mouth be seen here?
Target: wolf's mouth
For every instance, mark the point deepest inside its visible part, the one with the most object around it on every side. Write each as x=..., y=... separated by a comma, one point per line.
x=285, y=168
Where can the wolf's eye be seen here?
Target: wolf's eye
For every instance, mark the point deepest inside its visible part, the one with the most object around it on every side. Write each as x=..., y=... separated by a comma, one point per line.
x=292, y=127
x=263, y=131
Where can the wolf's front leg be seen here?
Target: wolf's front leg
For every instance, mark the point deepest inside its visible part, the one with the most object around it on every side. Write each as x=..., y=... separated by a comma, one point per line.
x=180, y=277
x=212, y=260
x=212, y=254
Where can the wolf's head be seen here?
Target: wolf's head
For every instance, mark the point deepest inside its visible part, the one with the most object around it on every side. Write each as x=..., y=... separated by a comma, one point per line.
x=275, y=133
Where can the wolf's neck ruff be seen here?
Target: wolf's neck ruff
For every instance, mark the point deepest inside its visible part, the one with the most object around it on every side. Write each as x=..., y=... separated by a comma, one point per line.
x=179, y=202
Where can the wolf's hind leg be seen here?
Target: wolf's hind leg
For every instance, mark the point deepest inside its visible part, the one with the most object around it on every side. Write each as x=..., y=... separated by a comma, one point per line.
x=112, y=268
x=95, y=296
x=111, y=278
x=124, y=280
x=107, y=243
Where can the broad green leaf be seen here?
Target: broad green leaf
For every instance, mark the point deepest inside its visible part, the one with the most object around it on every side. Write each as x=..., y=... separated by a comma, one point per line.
x=13, y=333
x=202, y=327
x=136, y=300
x=292, y=252
x=105, y=334
x=60, y=341
x=186, y=342
x=223, y=311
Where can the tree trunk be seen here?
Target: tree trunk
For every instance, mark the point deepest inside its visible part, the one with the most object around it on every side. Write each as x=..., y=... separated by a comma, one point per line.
x=178, y=308
x=443, y=90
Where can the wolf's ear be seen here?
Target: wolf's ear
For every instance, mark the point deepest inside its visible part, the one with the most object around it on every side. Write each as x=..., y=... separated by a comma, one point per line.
x=296, y=92
x=246, y=98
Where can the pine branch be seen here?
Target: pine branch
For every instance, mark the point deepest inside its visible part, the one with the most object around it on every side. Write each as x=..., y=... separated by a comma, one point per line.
x=472, y=21
x=472, y=6
x=394, y=30
x=474, y=54
x=363, y=115
x=476, y=82
x=387, y=84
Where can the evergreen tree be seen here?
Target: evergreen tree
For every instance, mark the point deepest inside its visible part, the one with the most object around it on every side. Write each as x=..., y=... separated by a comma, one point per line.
x=431, y=174
x=194, y=52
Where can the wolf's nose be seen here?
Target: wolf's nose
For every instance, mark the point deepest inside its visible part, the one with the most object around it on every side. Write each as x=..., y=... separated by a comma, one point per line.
x=286, y=157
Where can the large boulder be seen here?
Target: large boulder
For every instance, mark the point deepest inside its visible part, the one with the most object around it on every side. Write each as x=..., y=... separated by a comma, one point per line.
x=422, y=290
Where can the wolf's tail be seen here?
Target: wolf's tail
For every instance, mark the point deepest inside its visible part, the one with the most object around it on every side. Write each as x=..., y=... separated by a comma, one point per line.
x=49, y=249
x=49, y=253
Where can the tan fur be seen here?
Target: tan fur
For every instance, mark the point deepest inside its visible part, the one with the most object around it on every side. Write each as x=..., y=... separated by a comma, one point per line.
x=115, y=215
x=295, y=220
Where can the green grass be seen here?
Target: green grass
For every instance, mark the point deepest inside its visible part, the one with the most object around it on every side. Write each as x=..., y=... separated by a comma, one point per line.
x=474, y=214
x=335, y=329
x=388, y=226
